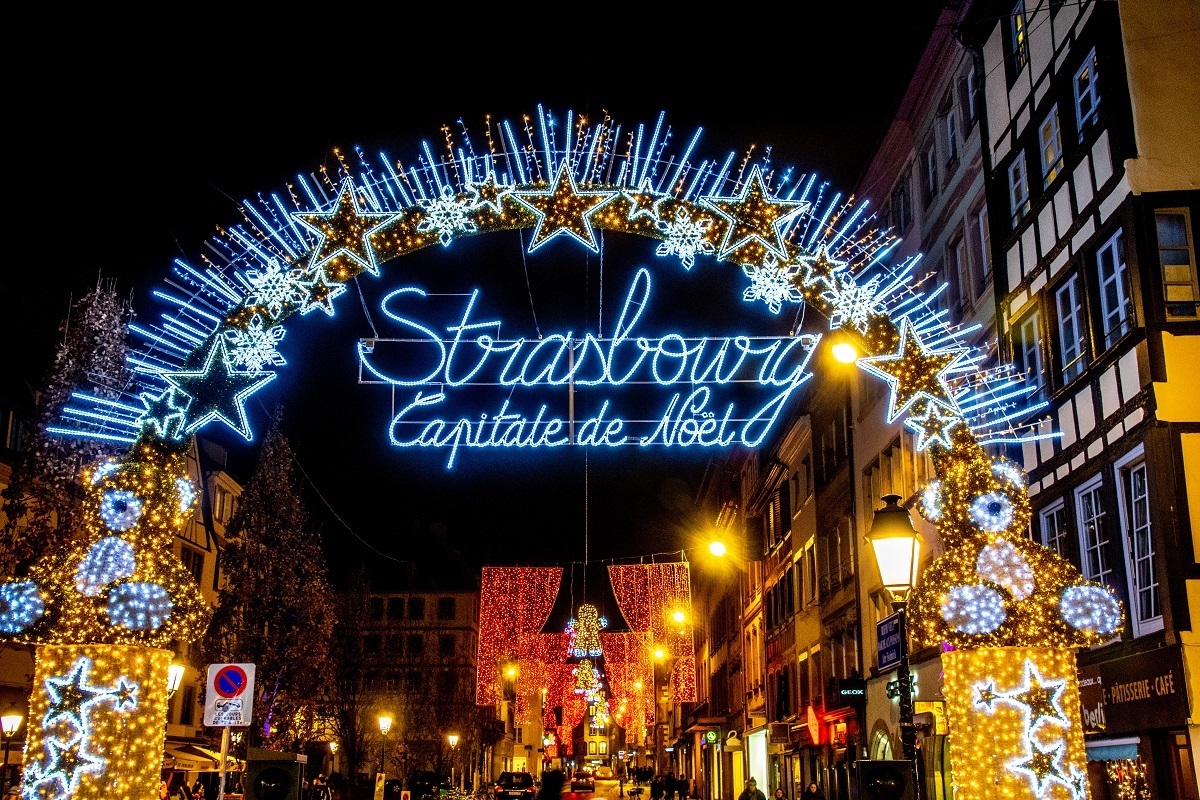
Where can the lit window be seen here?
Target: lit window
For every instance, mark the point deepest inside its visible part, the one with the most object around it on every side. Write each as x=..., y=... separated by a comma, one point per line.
x=950, y=131
x=1019, y=36
x=958, y=264
x=1116, y=307
x=1054, y=528
x=1093, y=539
x=1087, y=94
x=981, y=247
x=1068, y=299
x=1027, y=347
x=1018, y=188
x=1177, y=258
x=1145, y=604
x=929, y=171
x=1050, y=143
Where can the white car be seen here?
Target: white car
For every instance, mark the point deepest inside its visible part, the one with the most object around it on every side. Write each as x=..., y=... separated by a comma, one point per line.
x=604, y=774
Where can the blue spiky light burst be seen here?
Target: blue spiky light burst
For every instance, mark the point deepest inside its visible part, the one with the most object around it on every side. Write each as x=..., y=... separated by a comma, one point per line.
x=285, y=257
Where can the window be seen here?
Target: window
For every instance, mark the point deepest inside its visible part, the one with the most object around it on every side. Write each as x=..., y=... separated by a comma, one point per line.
x=1054, y=528
x=950, y=132
x=1018, y=38
x=416, y=608
x=416, y=645
x=1144, y=599
x=968, y=88
x=194, y=561
x=1177, y=258
x=901, y=206
x=1027, y=347
x=446, y=609
x=395, y=608
x=446, y=645
x=592, y=748
x=981, y=247
x=1018, y=189
x=1069, y=299
x=372, y=644
x=1116, y=307
x=1050, y=143
x=929, y=172
x=376, y=608
x=958, y=266
x=1093, y=539
x=1087, y=94
x=187, y=707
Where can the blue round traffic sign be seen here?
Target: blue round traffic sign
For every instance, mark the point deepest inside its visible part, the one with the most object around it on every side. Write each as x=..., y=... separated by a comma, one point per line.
x=230, y=681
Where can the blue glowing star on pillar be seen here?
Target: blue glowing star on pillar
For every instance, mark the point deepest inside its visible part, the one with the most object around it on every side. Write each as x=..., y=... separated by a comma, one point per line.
x=72, y=697
x=165, y=413
x=933, y=426
x=754, y=215
x=218, y=391
x=563, y=208
x=68, y=761
x=345, y=231
x=914, y=373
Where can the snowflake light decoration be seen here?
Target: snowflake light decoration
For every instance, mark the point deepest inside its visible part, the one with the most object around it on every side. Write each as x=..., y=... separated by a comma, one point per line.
x=853, y=303
x=685, y=237
x=274, y=287
x=773, y=283
x=253, y=347
x=446, y=215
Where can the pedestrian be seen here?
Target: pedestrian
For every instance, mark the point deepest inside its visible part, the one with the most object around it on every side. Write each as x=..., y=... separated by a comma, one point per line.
x=669, y=785
x=657, y=790
x=320, y=788
x=552, y=784
x=752, y=792
x=197, y=790
x=681, y=786
x=812, y=792
x=779, y=794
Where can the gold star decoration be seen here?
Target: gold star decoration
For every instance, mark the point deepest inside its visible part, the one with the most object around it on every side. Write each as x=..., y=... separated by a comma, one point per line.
x=345, y=248
x=932, y=424
x=318, y=292
x=914, y=373
x=988, y=696
x=821, y=267
x=1042, y=765
x=643, y=201
x=563, y=208
x=754, y=217
x=1042, y=699
x=489, y=194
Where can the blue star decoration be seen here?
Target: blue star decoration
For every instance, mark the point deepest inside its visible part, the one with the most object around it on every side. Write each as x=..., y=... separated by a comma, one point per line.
x=218, y=391
x=163, y=414
x=753, y=216
x=1042, y=766
x=643, y=201
x=821, y=267
x=72, y=697
x=319, y=292
x=345, y=230
x=563, y=208
x=933, y=426
x=68, y=761
x=914, y=373
x=487, y=194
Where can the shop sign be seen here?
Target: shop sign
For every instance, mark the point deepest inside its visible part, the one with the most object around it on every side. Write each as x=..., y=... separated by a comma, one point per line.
x=1134, y=693
x=887, y=637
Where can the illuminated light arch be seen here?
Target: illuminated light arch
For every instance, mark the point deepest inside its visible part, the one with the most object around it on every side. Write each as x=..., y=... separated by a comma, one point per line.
x=789, y=238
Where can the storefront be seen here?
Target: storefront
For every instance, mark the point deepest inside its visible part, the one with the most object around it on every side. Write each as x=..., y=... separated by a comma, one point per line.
x=882, y=737
x=1135, y=716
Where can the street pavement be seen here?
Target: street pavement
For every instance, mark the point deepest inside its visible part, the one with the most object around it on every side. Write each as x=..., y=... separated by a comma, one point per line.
x=605, y=790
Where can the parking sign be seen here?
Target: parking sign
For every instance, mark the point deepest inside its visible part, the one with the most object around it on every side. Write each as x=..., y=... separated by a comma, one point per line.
x=229, y=700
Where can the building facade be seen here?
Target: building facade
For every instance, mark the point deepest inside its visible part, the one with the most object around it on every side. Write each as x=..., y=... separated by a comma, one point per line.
x=1092, y=173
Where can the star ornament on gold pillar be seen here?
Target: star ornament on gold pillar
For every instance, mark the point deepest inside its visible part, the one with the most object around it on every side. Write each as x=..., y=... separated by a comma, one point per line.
x=1042, y=766
x=1041, y=698
x=563, y=208
x=932, y=425
x=345, y=247
x=754, y=215
x=914, y=373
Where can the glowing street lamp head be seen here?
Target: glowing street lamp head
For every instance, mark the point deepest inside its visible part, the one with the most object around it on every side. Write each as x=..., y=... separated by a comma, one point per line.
x=11, y=721
x=717, y=548
x=453, y=740
x=845, y=352
x=679, y=616
x=174, y=678
x=510, y=671
x=659, y=654
x=897, y=546
x=385, y=723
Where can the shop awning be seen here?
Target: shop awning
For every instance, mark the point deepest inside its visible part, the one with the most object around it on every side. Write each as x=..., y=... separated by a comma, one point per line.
x=188, y=758
x=1112, y=749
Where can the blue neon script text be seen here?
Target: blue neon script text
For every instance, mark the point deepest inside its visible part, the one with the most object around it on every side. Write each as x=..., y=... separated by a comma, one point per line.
x=470, y=353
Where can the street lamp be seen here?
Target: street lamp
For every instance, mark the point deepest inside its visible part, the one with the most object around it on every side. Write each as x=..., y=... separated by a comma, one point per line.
x=9, y=723
x=897, y=547
x=174, y=678
x=453, y=740
x=385, y=725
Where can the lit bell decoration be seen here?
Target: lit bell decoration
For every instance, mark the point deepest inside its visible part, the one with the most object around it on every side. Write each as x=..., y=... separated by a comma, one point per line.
x=103, y=611
x=1012, y=614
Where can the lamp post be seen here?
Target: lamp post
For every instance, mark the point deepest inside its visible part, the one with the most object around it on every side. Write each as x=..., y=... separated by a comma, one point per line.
x=9, y=723
x=897, y=547
x=452, y=738
x=385, y=725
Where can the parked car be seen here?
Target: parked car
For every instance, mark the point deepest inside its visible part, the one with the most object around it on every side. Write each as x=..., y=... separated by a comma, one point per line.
x=604, y=773
x=583, y=781
x=514, y=786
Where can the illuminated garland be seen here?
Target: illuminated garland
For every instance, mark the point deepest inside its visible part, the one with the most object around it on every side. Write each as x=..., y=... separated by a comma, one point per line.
x=648, y=595
x=514, y=603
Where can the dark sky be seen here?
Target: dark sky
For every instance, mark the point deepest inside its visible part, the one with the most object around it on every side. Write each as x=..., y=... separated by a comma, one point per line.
x=146, y=141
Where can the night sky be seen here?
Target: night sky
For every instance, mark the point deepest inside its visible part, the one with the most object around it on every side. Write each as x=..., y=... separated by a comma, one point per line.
x=148, y=144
